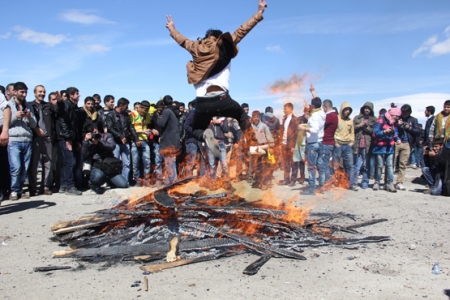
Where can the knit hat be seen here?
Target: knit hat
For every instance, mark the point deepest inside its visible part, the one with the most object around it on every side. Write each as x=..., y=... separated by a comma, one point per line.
x=395, y=111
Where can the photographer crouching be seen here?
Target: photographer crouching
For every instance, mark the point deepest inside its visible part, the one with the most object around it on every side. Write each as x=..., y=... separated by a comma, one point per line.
x=436, y=161
x=98, y=149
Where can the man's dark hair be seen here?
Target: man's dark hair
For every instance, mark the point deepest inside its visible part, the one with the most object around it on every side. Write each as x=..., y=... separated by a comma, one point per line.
x=107, y=98
x=316, y=102
x=39, y=85
x=20, y=86
x=159, y=104
x=213, y=32
x=406, y=108
x=89, y=98
x=2, y=89
x=327, y=103
x=269, y=110
x=393, y=105
x=122, y=102
x=61, y=92
x=290, y=105
x=447, y=103
x=71, y=90
x=430, y=109
x=439, y=141
x=97, y=97
x=51, y=94
x=167, y=100
x=9, y=85
x=382, y=111
x=89, y=127
x=176, y=103
x=244, y=105
x=192, y=103
x=181, y=104
x=136, y=103
x=145, y=103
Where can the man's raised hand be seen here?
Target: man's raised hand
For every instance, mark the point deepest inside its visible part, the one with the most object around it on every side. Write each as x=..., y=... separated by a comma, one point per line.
x=262, y=6
x=170, y=25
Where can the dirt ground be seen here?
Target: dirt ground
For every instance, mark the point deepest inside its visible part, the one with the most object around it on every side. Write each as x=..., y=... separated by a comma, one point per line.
x=389, y=270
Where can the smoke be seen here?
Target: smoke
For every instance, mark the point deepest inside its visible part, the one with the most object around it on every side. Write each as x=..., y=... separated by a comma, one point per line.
x=293, y=84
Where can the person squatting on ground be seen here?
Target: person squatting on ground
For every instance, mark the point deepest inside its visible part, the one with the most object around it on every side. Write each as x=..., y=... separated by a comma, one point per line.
x=209, y=71
x=436, y=161
x=99, y=149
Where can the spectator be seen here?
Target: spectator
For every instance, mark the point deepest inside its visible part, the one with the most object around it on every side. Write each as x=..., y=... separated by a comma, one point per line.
x=158, y=158
x=314, y=138
x=10, y=93
x=331, y=124
x=344, y=140
x=262, y=173
x=385, y=135
x=108, y=101
x=429, y=114
x=55, y=176
x=43, y=141
x=5, y=119
x=437, y=165
x=193, y=146
x=289, y=127
x=363, y=124
x=140, y=149
x=119, y=125
x=418, y=148
x=169, y=139
x=408, y=130
x=20, y=140
x=299, y=156
x=440, y=128
x=98, y=102
x=88, y=114
x=69, y=139
x=246, y=109
x=63, y=94
x=98, y=148
x=219, y=126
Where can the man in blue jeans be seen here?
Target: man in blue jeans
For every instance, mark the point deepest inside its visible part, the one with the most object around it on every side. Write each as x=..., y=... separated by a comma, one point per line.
x=20, y=138
x=97, y=147
x=314, y=138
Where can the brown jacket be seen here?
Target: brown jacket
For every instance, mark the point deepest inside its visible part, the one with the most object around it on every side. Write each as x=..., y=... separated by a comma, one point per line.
x=205, y=53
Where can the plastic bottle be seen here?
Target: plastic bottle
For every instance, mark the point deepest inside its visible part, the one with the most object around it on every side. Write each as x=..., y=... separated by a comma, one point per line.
x=436, y=269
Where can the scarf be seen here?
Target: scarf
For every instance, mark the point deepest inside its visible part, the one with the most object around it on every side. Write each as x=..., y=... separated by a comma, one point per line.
x=438, y=125
x=92, y=116
x=315, y=110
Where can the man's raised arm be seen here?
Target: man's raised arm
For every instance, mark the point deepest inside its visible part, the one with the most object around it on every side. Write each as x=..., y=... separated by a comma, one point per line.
x=245, y=28
x=178, y=37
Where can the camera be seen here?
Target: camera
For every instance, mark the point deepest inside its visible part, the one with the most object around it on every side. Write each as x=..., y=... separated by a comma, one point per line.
x=96, y=136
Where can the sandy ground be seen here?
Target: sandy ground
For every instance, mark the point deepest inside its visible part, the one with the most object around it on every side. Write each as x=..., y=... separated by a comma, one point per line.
x=388, y=270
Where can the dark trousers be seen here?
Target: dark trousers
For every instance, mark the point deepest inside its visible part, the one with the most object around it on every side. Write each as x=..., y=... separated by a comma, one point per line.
x=42, y=148
x=288, y=164
x=220, y=105
x=262, y=174
x=98, y=178
x=5, y=177
x=67, y=166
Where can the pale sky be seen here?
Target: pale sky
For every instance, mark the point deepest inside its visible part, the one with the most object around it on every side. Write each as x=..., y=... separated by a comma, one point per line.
x=356, y=51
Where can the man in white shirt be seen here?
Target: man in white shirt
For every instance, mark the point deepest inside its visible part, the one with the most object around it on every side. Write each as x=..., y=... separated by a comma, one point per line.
x=314, y=137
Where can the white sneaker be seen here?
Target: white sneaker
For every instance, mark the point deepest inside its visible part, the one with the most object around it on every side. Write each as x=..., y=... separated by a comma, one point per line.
x=13, y=196
x=400, y=187
x=376, y=186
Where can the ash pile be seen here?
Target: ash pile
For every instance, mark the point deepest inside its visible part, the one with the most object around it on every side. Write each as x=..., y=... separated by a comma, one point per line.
x=168, y=228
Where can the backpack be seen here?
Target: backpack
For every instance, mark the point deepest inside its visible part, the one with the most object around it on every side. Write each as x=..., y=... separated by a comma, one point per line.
x=111, y=166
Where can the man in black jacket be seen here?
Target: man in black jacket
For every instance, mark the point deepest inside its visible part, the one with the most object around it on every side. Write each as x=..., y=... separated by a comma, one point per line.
x=43, y=140
x=429, y=114
x=169, y=143
x=408, y=130
x=96, y=148
x=108, y=100
x=119, y=125
x=69, y=140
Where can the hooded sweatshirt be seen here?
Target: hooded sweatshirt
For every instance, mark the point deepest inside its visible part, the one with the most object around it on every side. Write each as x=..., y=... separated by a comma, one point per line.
x=345, y=133
x=316, y=124
x=364, y=132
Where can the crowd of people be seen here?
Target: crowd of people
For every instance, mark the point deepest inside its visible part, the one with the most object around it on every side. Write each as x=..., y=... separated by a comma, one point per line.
x=104, y=143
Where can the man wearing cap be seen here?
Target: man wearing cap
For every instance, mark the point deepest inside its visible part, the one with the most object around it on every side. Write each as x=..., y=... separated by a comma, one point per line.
x=140, y=149
x=209, y=72
x=408, y=130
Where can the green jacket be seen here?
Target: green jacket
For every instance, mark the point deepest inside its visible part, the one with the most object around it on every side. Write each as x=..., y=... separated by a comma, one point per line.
x=366, y=130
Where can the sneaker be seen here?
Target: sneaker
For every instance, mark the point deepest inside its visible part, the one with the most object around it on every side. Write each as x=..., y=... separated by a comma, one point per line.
x=25, y=195
x=354, y=188
x=62, y=189
x=376, y=186
x=391, y=188
x=400, y=187
x=211, y=142
x=13, y=196
x=414, y=166
x=364, y=185
x=73, y=191
x=308, y=191
x=98, y=190
x=48, y=192
x=427, y=191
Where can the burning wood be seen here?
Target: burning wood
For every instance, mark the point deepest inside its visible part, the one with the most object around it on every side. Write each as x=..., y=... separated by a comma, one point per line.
x=188, y=228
